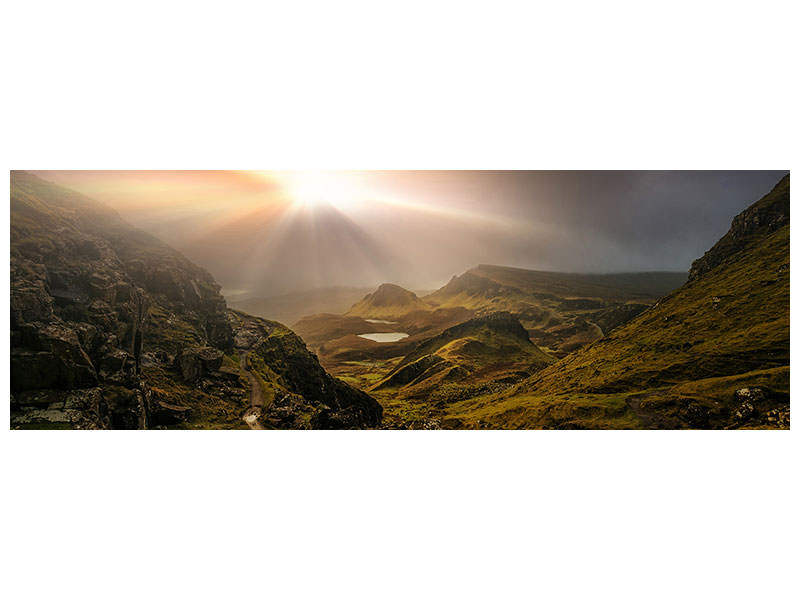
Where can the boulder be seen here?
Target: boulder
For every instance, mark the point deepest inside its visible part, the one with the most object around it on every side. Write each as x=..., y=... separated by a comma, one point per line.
x=197, y=362
x=751, y=394
x=163, y=413
x=749, y=398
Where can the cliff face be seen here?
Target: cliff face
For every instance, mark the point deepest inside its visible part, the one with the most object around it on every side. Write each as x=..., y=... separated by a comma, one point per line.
x=110, y=327
x=762, y=218
x=84, y=286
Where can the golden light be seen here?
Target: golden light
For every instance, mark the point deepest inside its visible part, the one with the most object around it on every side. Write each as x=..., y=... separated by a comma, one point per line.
x=318, y=188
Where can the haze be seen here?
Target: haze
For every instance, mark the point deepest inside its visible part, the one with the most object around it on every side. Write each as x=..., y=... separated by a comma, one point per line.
x=265, y=233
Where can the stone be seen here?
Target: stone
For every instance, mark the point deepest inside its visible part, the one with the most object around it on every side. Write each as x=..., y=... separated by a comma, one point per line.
x=751, y=394
x=195, y=363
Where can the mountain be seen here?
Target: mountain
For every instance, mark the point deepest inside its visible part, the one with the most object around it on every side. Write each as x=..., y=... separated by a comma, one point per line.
x=111, y=328
x=561, y=311
x=712, y=354
x=612, y=287
x=290, y=308
x=339, y=339
x=492, y=347
x=388, y=301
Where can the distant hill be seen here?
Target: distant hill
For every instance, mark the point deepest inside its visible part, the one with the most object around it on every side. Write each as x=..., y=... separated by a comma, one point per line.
x=485, y=286
x=493, y=347
x=388, y=301
x=290, y=308
x=561, y=311
x=685, y=361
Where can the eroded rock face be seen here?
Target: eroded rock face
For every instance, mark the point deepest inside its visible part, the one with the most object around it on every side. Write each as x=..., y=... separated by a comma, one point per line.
x=50, y=356
x=83, y=284
x=765, y=216
x=195, y=363
x=305, y=395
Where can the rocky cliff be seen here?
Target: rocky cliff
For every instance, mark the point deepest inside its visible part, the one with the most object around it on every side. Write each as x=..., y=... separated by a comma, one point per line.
x=111, y=328
x=762, y=218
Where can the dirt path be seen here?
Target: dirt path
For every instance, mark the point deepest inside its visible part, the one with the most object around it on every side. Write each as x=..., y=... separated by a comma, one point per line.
x=256, y=396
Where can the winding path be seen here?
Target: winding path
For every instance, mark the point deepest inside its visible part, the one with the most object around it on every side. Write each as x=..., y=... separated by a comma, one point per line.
x=256, y=396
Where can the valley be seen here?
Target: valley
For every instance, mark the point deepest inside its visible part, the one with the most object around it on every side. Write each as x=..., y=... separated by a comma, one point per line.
x=113, y=329
x=485, y=330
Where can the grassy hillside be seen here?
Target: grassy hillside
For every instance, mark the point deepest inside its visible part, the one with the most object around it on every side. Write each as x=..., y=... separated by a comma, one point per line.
x=491, y=348
x=679, y=363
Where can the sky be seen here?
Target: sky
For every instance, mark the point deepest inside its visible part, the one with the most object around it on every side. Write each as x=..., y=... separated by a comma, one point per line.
x=264, y=233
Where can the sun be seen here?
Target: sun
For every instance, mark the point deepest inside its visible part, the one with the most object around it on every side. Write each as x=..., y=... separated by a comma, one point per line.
x=312, y=189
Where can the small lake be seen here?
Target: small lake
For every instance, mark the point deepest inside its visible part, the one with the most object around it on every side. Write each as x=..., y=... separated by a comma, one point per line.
x=381, y=321
x=383, y=337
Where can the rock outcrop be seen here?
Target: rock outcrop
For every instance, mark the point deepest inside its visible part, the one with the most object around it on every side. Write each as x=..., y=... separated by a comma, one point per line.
x=304, y=395
x=197, y=362
x=762, y=218
x=83, y=287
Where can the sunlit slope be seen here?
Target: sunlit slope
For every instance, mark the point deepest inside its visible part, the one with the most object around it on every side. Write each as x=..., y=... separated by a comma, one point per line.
x=727, y=327
x=493, y=347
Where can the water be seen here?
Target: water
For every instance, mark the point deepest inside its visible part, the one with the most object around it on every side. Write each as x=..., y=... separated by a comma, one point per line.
x=381, y=321
x=383, y=337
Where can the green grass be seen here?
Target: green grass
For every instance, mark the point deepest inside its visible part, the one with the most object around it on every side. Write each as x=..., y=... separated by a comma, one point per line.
x=571, y=411
x=690, y=336
x=725, y=330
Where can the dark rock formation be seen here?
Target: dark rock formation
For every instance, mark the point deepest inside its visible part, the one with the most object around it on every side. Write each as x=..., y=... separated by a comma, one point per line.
x=198, y=362
x=765, y=216
x=305, y=395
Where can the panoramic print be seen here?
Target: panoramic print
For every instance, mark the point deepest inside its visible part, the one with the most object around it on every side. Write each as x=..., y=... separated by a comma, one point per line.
x=261, y=300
